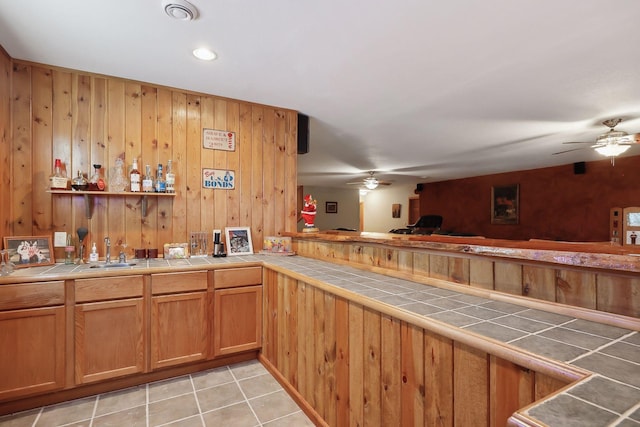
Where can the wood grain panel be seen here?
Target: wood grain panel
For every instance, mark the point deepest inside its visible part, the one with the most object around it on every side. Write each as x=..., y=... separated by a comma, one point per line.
x=539, y=282
x=481, y=273
x=85, y=119
x=438, y=369
x=511, y=388
x=31, y=295
x=372, y=368
x=178, y=282
x=620, y=295
x=459, y=270
x=5, y=142
x=470, y=386
x=439, y=266
x=391, y=370
x=413, y=386
x=508, y=277
x=99, y=289
x=356, y=364
x=576, y=288
x=341, y=368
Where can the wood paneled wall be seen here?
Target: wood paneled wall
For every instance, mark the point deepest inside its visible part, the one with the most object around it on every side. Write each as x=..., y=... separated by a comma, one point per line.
x=5, y=139
x=356, y=366
x=84, y=119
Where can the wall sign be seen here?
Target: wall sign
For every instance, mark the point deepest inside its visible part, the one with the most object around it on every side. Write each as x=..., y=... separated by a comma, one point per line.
x=218, y=139
x=218, y=179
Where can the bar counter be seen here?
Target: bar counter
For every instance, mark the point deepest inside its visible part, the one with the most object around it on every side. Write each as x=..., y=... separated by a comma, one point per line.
x=602, y=360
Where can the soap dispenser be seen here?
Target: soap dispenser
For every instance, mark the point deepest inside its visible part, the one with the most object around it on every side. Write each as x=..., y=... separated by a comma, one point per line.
x=93, y=256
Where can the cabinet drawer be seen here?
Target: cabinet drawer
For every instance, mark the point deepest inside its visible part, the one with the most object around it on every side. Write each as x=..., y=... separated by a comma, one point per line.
x=233, y=277
x=168, y=283
x=108, y=288
x=29, y=295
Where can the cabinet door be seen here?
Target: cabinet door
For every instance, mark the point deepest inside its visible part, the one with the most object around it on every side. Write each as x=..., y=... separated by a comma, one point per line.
x=238, y=320
x=178, y=329
x=109, y=339
x=32, y=351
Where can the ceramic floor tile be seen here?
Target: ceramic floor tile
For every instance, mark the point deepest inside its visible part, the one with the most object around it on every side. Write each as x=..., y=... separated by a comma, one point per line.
x=195, y=421
x=240, y=413
x=172, y=409
x=21, y=419
x=217, y=397
x=248, y=369
x=257, y=386
x=133, y=417
x=121, y=399
x=67, y=412
x=211, y=378
x=298, y=419
x=272, y=406
x=169, y=388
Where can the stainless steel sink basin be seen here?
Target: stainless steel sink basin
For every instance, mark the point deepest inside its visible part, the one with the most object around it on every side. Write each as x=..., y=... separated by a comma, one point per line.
x=114, y=265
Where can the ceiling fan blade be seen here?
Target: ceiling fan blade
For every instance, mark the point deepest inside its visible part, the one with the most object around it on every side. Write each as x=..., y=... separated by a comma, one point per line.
x=577, y=142
x=629, y=139
x=567, y=151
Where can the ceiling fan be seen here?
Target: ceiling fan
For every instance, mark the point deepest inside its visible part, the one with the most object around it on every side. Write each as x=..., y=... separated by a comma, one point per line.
x=370, y=182
x=610, y=144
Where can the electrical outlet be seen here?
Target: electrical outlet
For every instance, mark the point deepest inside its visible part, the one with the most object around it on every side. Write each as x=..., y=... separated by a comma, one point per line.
x=60, y=239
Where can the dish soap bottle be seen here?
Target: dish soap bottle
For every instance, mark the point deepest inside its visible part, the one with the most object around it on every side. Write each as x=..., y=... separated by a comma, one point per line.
x=93, y=256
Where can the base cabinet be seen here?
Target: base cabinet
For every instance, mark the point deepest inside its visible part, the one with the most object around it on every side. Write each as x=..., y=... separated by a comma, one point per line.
x=109, y=340
x=238, y=320
x=179, y=320
x=32, y=351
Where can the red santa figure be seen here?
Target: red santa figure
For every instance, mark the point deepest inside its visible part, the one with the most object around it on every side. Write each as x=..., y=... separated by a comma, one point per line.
x=309, y=212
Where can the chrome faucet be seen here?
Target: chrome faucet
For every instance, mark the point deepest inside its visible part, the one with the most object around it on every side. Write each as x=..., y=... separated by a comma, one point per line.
x=107, y=256
x=122, y=258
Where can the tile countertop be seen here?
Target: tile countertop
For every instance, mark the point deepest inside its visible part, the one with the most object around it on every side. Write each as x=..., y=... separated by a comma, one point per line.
x=609, y=397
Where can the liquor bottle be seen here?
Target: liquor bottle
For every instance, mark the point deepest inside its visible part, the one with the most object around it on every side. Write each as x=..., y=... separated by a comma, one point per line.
x=134, y=177
x=147, y=181
x=58, y=180
x=161, y=186
x=171, y=178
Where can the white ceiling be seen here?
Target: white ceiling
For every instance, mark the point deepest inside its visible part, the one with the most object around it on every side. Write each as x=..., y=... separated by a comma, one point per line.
x=419, y=90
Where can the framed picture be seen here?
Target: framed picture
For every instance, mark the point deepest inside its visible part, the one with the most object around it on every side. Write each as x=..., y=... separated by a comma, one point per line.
x=238, y=240
x=29, y=251
x=331, y=207
x=505, y=204
x=395, y=210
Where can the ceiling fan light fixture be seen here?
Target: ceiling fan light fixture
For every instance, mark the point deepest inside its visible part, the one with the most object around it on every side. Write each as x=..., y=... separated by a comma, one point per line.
x=181, y=10
x=204, y=54
x=371, y=183
x=612, y=150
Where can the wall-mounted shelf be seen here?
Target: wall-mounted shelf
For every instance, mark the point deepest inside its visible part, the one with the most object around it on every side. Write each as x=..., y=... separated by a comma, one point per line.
x=88, y=197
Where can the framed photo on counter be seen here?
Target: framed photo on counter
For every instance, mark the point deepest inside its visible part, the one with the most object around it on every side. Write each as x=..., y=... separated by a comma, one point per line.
x=29, y=251
x=238, y=241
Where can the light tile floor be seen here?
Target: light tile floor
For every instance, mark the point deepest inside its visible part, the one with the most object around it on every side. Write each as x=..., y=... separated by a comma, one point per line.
x=239, y=395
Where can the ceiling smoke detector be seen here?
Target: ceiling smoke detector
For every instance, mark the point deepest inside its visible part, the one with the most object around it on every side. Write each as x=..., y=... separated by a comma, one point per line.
x=180, y=9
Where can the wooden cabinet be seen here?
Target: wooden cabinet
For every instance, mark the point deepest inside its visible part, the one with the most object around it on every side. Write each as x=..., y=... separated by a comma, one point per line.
x=32, y=337
x=237, y=310
x=109, y=328
x=179, y=320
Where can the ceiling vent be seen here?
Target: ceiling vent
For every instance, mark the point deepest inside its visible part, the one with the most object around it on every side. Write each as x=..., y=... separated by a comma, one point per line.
x=180, y=9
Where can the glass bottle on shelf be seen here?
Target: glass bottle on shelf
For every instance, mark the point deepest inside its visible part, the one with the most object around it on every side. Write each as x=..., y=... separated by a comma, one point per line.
x=80, y=183
x=96, y=183
x=161, y=186
x=117, y=181
x=58, y=179
x=147, y=180
x=171, y=178
x=135, y=177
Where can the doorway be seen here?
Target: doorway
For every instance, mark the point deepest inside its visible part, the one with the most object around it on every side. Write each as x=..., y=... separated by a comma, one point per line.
x=414, y=209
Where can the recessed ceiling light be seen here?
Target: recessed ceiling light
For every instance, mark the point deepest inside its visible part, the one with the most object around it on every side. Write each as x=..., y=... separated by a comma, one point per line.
x=204, y=54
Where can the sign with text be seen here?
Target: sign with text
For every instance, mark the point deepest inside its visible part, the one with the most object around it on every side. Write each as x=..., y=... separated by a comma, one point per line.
x=218, y=140
x=218, y=179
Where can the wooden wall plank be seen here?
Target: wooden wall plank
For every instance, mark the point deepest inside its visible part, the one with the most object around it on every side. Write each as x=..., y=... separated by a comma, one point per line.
x=98, y=226
x=245, y=175
x=268, y=175
x=459, y=270
x=439, y=266
x=234, y=162
x=508, y=277
x=320, y=380
x=133, y=150
x=481, y=273
x=149, y=138
x=391, y=370
x=291, y=304
x=576, y=288
x=329, y=357
x=412, y=408
x=207, y=121
x=257, y=171
x=438, y=379
x=279, y=205
x=617, y=294
x=470, y=386
x=372, y=369
x=193, y=175
x=357, y=355
x=6, y=166
x=116, y=229
x=511, y=388
x=342, y=361
x=179, y=150
x=539, y=282
x=165, y=150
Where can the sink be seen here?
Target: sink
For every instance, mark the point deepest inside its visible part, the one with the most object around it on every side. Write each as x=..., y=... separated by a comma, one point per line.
x=114, y=265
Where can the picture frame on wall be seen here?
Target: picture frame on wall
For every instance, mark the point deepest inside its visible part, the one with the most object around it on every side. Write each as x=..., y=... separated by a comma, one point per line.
x=505, y=204
x=29, y=251
x=238, y=241
x=395, y=210
x=331, y=207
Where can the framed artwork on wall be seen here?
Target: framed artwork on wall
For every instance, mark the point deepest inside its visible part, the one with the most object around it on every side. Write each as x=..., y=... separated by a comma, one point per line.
x=395, y=210
x=29, y=251
x=505, y=204
x=331, y=207
x=238, y=240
